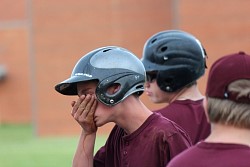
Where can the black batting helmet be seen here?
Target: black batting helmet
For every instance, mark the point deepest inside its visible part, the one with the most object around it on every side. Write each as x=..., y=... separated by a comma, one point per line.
x=109, y=65
x=177, y=56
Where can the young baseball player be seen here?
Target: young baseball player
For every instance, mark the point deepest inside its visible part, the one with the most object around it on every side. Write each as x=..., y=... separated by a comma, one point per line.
x=228, y=110
x=108, y=82
x=174, y=61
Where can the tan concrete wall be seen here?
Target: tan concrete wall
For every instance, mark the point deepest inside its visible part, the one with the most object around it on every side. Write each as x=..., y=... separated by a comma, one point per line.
x=41, y=40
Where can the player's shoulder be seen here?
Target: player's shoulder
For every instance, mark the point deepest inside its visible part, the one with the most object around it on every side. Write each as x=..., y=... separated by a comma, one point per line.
x=185, y=158
x=164, y=123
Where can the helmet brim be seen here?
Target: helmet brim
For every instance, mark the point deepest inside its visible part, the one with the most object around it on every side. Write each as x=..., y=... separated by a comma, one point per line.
x=68, y=86
x=149, y=66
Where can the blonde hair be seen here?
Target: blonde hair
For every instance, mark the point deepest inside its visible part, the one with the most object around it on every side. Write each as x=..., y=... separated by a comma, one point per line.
x=228, y=112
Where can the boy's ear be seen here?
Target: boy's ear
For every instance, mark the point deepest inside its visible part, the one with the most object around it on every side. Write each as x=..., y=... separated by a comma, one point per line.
x=205, y=108
x=113, y=89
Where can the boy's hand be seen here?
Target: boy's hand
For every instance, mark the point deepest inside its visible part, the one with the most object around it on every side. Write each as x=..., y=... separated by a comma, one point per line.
x=83, y=112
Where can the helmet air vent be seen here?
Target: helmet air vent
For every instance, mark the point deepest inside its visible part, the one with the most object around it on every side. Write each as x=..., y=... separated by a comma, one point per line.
x=106, y=50
x=153, y=40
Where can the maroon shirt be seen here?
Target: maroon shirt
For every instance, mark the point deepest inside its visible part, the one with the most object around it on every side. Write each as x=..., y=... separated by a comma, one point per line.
x=190, y=115
x=153, y=144
x=213, y=155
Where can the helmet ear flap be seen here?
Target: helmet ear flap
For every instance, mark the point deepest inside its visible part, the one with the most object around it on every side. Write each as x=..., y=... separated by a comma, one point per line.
x=174, y=79
x=166, y=81
x=128, y=83
x=103, y=94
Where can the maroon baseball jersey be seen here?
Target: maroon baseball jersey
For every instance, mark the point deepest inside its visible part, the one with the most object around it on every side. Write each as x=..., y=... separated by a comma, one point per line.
x=190, y=115
x=206, y=154
x=153, y=144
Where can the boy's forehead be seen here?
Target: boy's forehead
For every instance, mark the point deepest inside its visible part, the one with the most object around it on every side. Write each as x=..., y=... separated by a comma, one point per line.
x=86, y=87
x=88, y=83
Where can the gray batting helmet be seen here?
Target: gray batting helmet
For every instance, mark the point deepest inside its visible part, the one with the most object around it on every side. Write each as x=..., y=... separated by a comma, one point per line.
x=109, y=65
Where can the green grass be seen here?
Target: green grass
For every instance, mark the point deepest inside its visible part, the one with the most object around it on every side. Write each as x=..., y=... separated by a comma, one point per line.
x=19, y=148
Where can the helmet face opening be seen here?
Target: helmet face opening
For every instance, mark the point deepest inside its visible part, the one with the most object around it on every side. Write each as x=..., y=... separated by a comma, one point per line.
x=178, y=57
x=109, y=65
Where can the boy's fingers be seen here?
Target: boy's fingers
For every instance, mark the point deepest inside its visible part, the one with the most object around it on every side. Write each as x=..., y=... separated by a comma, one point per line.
x=77, y=103
x=89, y=110
x=89, y=105
x=82, y=108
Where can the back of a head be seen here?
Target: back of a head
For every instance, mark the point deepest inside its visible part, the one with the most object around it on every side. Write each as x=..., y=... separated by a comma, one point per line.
x=177, y=56
x=228, y=91
x=108, y=65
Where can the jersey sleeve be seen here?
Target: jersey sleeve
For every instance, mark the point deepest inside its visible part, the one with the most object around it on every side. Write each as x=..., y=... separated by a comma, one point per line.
x=99, y=158
x=177, y=144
